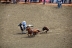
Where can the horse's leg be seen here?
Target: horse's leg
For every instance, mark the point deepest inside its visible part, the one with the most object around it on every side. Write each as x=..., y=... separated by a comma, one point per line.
x=33, y=33
x=46, y=31
x=28, y=34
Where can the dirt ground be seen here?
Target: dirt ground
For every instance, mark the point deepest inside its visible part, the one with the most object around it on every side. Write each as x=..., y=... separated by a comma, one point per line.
x=59, y=21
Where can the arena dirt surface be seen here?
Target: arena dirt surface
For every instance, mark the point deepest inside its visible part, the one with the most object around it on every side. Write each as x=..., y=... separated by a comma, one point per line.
x=59, y=21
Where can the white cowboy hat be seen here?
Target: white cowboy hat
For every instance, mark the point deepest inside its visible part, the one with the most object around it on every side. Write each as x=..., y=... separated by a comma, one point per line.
x=30, y=25
x=24, y=21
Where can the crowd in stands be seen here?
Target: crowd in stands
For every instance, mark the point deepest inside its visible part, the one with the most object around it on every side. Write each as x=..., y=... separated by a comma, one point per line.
x=35, y=1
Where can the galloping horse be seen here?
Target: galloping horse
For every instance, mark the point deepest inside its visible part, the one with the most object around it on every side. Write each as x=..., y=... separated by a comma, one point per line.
x=32, y=31
x=45, y=29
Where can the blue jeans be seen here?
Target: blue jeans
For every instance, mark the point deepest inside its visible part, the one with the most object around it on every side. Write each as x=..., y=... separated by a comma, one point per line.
x=44, y=2
x=64, y=1
x=51, y=1
x=59, y=4
x=14, y=1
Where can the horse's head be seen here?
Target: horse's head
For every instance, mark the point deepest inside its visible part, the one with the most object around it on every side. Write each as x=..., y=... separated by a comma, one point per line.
x=28, y=28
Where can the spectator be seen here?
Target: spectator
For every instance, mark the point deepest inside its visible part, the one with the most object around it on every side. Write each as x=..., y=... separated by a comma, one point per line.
x=43, y=1
x=59, y=3
x=25, y=1
x=51, y=1
x=13, y=1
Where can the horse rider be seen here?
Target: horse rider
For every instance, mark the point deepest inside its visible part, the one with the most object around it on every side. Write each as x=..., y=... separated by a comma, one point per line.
x=24, y=25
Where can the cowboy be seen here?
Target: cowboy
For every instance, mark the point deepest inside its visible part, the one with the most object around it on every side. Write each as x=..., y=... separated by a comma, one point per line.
x=24, y=24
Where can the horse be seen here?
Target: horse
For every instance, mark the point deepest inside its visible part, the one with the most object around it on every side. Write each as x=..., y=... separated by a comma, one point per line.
x=32, y=31
x=46, y=29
